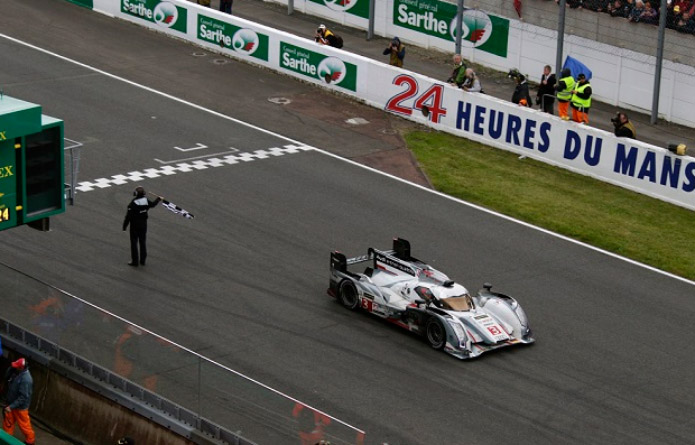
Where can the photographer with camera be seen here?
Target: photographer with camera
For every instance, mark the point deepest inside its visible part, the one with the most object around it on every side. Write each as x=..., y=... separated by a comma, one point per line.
x=458, y=75
x=325, y=36
x=471, y=83
x=396, y=51
x=623, y=126
x=521, y=94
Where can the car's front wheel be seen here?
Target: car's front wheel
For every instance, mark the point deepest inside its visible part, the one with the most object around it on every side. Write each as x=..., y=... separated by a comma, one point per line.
x=348, y=295
x=435, y=332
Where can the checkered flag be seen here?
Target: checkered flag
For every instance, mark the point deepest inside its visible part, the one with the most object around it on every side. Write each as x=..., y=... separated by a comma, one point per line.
x=176, y=209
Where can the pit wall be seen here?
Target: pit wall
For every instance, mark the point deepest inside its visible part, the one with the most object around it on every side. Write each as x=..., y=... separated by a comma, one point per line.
x=62, y=403
x=634, y=165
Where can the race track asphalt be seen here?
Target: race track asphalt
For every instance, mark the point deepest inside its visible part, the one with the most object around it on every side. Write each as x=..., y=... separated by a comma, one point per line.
x=244, y=282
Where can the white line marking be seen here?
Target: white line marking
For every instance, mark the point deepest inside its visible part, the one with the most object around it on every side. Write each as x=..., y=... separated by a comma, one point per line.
x=196, y=157
x=263, y=130
x=198, y=146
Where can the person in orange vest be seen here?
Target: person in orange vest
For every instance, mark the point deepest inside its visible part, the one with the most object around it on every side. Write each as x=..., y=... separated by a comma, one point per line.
x=581, y=100
x=18, y=398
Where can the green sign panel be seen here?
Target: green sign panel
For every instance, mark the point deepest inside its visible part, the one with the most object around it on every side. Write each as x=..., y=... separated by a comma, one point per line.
x=360, y=8
x=242, y=40
x=31, y=164
x=436, y=18
x=8, y=185
x=164, y=14
x=86, y=3
x=311, y=64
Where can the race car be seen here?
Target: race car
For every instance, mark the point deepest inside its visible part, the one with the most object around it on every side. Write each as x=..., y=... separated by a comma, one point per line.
x=413, y=295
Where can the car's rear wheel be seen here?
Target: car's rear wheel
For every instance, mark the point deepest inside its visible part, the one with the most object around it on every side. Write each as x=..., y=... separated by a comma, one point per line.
x=348, y=295
x=435, y=332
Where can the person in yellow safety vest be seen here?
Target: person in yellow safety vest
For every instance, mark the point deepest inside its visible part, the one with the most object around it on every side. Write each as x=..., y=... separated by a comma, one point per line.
x=564, y=93
x=581, y=100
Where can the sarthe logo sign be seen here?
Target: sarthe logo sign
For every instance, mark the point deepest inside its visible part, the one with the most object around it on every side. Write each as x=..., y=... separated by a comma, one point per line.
x=164, y=14
x=242, y=40
x=486, y=32
x=312, y=64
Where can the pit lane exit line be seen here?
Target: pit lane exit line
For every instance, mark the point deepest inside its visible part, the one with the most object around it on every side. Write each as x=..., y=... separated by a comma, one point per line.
x=263, y=130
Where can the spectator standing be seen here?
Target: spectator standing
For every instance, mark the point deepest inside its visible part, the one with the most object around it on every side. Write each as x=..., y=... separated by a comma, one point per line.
x=546, y=90
x=396, y=52
x=623, y=126
x=19, y=388
x=471, y=83
x=649, y=15
x=564, y=93
x=458, y=75
x=636, y=12
x=136, y=217
x=226, y=6
x=686, y=23
x=581, y=100
x=325, y=36
x=521, y=94
x=621, y=8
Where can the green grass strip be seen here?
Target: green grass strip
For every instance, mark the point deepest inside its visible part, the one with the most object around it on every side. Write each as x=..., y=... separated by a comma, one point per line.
x=612, y=218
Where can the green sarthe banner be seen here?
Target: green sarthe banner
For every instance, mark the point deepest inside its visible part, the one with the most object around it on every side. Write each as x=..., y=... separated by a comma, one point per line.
x=436, y=18
x=360, y=8
x=164, y=14
x=312, y=64
x=86, y=3
x=241, y=40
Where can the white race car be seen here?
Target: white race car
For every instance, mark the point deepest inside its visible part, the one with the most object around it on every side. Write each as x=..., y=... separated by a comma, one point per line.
x=409, y=293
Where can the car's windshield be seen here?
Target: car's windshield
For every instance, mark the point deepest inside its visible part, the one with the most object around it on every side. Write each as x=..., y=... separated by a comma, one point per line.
x=461, y=303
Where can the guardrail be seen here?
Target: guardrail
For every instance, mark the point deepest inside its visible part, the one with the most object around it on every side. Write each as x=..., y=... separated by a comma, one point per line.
x=167, y=382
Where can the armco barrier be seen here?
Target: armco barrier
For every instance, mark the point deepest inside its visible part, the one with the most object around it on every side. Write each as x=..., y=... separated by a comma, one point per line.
x=197, y=398
x=637, y=166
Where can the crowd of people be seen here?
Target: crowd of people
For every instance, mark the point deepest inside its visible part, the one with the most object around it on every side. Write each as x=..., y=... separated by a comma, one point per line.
x=573, y=94
x=680, y=14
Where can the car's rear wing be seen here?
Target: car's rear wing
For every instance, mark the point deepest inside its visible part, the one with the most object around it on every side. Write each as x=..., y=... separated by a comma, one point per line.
x=397, y=258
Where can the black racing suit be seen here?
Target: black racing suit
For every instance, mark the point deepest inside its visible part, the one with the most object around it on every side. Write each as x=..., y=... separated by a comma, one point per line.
x=136, y=216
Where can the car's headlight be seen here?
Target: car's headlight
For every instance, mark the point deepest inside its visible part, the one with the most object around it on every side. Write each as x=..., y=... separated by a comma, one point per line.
x=459, y=331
